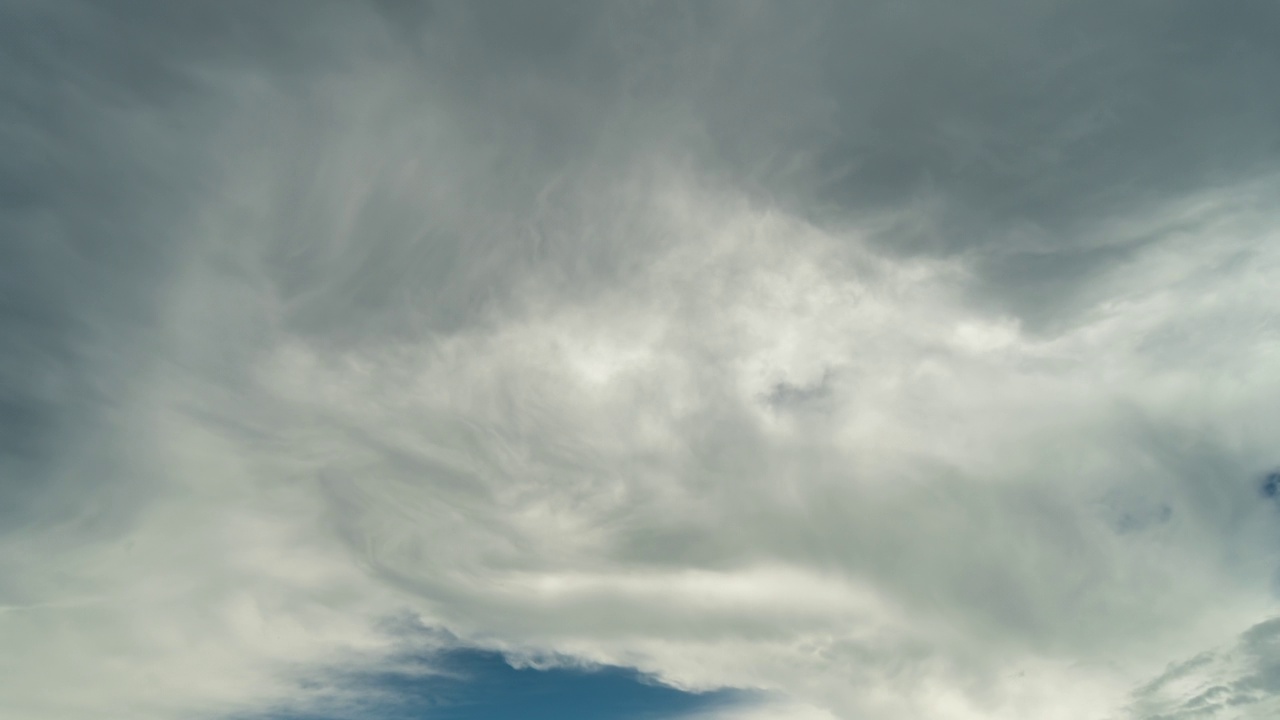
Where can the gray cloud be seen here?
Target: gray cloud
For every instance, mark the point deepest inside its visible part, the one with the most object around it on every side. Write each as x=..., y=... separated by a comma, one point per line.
x=899, y=359
x=1241, y=678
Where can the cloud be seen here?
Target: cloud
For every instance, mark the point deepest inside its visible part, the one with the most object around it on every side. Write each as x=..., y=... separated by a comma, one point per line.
x=617, y=475
x=894, y=362
x=1223, y=682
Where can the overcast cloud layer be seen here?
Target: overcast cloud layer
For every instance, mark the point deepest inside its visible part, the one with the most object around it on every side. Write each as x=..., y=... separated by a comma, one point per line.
x=893, y=359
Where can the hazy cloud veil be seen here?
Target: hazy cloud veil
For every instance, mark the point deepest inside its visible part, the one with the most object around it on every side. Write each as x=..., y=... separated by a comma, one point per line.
x=892, y=359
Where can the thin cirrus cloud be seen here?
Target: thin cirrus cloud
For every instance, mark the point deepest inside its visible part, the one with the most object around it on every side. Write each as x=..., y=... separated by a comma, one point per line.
x=815, y=360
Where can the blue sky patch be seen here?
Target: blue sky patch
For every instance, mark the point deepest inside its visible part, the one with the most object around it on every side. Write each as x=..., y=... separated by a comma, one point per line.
x=482, y=685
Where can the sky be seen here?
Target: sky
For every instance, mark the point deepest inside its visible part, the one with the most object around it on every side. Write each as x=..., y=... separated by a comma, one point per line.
x=470, y=684
x=715, y=360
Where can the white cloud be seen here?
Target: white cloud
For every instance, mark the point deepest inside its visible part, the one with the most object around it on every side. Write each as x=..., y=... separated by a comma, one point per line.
x=949, y=520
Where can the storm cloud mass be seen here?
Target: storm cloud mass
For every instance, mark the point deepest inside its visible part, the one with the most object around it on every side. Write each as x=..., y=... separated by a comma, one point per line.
x=883, y=360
